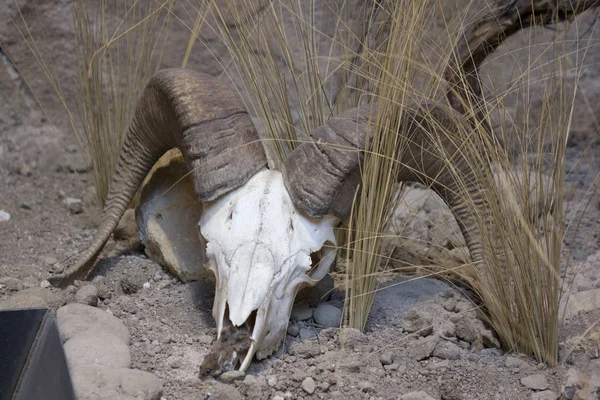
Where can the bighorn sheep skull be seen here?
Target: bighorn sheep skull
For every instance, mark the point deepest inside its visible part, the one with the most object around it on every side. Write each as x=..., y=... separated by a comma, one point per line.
x=259, y=247
x=278, y=219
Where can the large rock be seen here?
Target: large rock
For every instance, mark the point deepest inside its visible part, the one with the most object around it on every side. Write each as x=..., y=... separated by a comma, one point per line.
x=97, y=348
x=33, y=298
x=167, y=219
x=92, y=382
x=74, y=319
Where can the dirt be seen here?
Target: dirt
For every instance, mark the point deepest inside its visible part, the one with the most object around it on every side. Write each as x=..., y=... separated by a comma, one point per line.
x=453, y=356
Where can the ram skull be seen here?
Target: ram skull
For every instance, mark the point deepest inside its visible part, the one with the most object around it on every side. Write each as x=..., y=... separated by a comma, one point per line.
x=261, y=225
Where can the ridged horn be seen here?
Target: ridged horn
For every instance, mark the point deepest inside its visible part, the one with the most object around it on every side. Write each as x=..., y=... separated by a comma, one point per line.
x=322, y=175
x=199, y=115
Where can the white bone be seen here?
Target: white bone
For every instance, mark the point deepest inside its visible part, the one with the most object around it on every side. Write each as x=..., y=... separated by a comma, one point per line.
x=259, y=247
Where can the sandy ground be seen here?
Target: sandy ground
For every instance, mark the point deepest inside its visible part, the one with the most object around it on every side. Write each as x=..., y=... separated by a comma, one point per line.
x=171, y=325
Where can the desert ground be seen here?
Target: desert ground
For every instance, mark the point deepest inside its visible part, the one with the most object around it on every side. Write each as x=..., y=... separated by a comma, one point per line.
x=424, y=339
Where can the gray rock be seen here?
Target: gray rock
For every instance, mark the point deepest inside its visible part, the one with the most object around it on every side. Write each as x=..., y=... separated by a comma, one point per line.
x=447, y=351
x=544, y=395
x=466, y=331
x=535, y=382
x=293, y=330
x=418, y=322
x=92, y=382
x=423, y=348
x=301, y=312
x=317, y=294
x=75, y=206
x=97, y=348
x=307, y=333
x=450, y=304
x=4, y=216
x=416, y=396
x=45, y=284
x=75, y=318
x=327, y=315
x=386, y=358
x=448, y=329
x=309, y=385
x=12, y=284
x=88, y=295
x=232, y=376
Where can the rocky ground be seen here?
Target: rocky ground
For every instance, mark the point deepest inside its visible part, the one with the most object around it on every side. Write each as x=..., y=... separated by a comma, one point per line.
x=424, y=339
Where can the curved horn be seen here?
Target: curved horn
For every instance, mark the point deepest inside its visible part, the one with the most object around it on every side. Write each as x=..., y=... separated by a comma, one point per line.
x=322, y=176
x=201, y=116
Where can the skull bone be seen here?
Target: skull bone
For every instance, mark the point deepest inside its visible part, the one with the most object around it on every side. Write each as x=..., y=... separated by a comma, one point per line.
x=259, y=247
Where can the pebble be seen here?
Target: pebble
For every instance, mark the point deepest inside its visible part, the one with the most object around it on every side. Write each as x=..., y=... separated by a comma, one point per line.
x=448, y=329
x=75, y=206
x=466, y=331
x=392, y=367
x=309, y=385
x=232, y=376
x=97, y=348
x=4, y=216
x=12, y=284
x=419, y=322
x=98, y=382
x=88, y=295
x=386, y=358
x=301, y=313
x=535, y=382
x=75, y=318
x=327, y=315
x=544, y=395
x=45, y=284
x=293, y=330
x=146, y=285
x=447, y=351
x=450, y=304
x=307, y=333
x=423, y=349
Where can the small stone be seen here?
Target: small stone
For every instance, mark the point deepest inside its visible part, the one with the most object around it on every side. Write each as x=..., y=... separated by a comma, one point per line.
x=301, y=313
x=307, y=333
x=146, y=285
x=423, y=348
x=391, y=367
x=535, y=382
x=97, y=348
x=447, y=351
x=450, y=304
x=366, y=387
x=75, y=206
x=386, y=358
x=439, y=365
x=4, y=216
x=45, y=284
x=88, y=295
x=272, y=381
x=327, y=315
x=448, y=329
x=309, y=385
x=232, y=376
x=293, y=330
x=465, y=330
x=544, y=395
x=418, y=322
x=278, y=397
x=12, y=284
x=416, y=396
